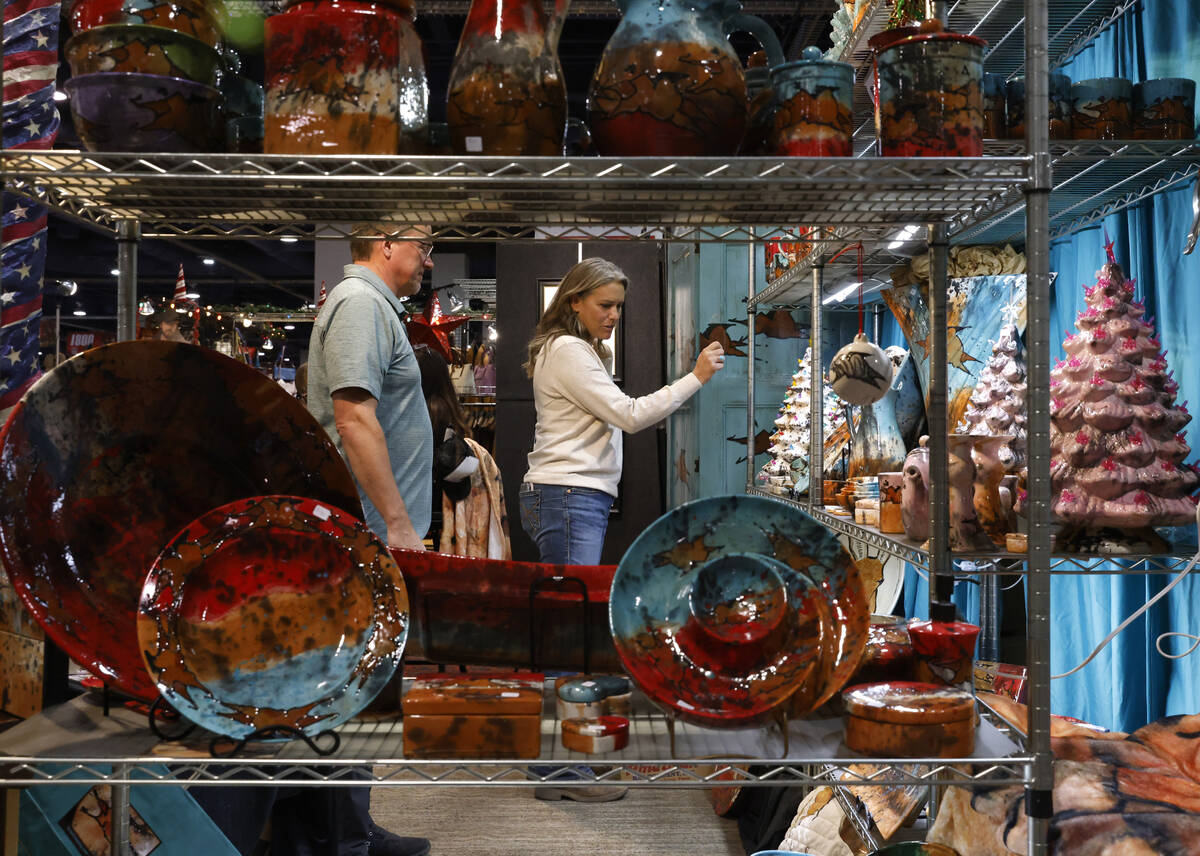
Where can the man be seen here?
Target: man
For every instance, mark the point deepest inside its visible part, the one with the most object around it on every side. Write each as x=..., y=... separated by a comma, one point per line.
x=364, y=387
x=168, y=327
x=364, y=384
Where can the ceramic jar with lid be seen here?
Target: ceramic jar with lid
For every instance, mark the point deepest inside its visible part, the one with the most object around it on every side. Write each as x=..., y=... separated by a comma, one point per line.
x=814, y=112
x=906, y=719
x=931, y=95
x=1102, y=109
x=1164, y=109
x=945, y=652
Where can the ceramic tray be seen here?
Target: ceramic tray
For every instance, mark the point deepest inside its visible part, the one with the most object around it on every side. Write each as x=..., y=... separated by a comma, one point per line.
x=113, y=452
x=727, y=608
x=272, y=611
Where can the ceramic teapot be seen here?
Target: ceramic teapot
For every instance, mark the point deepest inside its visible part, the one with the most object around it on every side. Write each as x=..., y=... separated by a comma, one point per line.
x=669, y=84
x=507, y=95
x=914, y=497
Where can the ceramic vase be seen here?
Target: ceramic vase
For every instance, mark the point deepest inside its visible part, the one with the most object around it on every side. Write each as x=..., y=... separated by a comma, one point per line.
x=1060, y=107
x=1102, y=109
x=1164, y=109
x=889, y=655
x=814, y=114
x=891, y=492
x=914, y=495
x=989, y=471
x=931, y=95
x=966, y=533
x=507, y=95
x=669, y=84
x=344, y=77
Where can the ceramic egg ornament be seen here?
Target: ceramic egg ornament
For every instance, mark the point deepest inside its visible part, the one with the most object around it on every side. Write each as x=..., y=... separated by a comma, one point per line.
x=861, y=373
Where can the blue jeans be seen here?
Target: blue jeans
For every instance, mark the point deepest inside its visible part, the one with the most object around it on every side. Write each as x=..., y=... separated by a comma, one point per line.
x=566, y=523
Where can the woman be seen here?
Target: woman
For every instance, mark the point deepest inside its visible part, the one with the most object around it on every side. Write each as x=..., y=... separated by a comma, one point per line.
x=575, y=464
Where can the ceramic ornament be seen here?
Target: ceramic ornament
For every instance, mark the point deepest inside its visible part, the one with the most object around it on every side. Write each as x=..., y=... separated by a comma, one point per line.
x=997, y=404
x=1117, y=455
x=861, y=373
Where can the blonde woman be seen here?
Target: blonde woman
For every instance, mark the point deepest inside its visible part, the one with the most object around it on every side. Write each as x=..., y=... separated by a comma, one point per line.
x=575, y=464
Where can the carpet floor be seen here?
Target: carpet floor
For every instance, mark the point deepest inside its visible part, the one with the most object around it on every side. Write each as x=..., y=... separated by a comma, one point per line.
x=502, y=821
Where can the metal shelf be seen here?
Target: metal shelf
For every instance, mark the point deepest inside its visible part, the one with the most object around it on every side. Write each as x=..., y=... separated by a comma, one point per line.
x=76, y=740
x=1003, y=563
x=492, y=198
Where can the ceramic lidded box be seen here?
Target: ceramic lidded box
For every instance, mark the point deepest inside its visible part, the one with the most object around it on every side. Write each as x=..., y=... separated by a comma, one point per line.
x=470, y=716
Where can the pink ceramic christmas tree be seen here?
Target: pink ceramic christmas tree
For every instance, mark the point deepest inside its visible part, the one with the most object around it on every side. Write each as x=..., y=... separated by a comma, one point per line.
x=997, y=404
x=1117, y=457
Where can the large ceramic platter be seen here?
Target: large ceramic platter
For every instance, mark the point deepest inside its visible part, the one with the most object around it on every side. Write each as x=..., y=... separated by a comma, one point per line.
x=882, y=575
x=272, y=612
x=113, y=452
x=725, y=608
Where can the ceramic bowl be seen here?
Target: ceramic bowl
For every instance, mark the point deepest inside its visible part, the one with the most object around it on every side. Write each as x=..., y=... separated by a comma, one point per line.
x=126, y=112
x=144, y=50
x=192, y=17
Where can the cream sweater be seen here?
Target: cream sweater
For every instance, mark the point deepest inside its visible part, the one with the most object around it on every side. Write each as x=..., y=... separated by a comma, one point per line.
x=581, y=414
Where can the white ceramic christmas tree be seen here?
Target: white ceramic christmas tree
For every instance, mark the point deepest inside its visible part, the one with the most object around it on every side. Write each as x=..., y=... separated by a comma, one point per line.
x=1117, y=457
x=787, y=471
x=997, y=404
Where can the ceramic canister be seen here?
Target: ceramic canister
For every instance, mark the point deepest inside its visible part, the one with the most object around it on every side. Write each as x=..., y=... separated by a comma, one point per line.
x=945, y=652
x=1164, y=109
x=909, y=720
x=1102, y=109
x=931, y=95
x=1059, y=106
x=993, y=106
x=814, y=116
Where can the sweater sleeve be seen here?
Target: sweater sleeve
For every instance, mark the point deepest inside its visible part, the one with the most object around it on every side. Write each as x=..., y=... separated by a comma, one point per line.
x=581, y=378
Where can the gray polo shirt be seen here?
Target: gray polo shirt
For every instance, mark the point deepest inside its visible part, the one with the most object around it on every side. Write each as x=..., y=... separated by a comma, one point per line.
x=359, y=341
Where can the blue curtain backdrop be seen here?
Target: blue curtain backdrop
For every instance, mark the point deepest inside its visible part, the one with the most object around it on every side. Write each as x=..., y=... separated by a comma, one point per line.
x=1129, y=683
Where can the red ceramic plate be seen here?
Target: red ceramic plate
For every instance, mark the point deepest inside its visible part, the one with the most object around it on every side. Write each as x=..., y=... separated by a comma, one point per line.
x=111, y=454
x=272, y=611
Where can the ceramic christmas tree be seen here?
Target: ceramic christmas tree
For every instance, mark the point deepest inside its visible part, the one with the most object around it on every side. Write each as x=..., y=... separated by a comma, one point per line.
x=787, y=471
x=997, y=404
x=1117, y=457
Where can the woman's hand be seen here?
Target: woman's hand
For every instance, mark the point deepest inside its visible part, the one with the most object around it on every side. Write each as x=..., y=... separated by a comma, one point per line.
x=710, y=361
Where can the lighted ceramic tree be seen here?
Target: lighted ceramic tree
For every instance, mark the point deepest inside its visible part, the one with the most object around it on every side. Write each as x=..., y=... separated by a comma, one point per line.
x=787, y=471
x=1117, y=457
x=997, y=404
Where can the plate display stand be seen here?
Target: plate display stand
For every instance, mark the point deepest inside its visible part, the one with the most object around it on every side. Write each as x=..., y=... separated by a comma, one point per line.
x=1010, y=191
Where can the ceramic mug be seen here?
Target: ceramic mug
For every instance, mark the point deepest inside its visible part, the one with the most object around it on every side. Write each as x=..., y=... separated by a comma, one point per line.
x=1164, y=109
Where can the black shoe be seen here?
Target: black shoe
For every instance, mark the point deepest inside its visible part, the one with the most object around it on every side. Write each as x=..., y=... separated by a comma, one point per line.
x=384, y=843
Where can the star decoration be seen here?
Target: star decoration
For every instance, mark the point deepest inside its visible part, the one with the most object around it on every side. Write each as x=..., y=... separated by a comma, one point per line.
x=20, y=212
x=1108, y=247
x=24, y=271
x=1010, y=313
x=431, y=327
x=8, y=297
x=42, y=40
x=13, y=356
x=37, y=243
x=34, y=128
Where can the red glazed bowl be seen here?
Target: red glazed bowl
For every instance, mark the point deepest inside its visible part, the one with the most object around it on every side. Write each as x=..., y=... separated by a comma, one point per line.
x=191, y=17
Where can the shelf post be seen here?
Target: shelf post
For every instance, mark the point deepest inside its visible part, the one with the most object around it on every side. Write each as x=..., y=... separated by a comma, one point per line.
x=816, y=398
x=119, y=805
x=129, y=233
x=941, y=573
x=750, y=367
x=1037, y=335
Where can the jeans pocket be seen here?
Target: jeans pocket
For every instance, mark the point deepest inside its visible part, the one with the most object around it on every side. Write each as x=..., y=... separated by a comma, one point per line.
x=531, y=506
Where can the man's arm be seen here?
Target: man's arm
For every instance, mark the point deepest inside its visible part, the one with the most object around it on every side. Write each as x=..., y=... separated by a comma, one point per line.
x=366, y=450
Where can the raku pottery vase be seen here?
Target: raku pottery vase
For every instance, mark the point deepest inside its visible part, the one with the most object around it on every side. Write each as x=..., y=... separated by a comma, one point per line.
x=669, y=83
x=1060, y=107
x=891, y=494
x=193, y=17
x=861, y=373
x=814, y=114
x=989, y=472
x=931, y=95
x=944, y=652
x=914, y=496
x=344, y=77
x=507, y=94
x=966, y=533
x=1164, y=109
x=889, y=653
x=878, y=42
x=1102, y=109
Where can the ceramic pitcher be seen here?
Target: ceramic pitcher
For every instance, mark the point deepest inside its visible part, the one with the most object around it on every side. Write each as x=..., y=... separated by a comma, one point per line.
x=507, y=95
x=669, y=84
x=914, y=497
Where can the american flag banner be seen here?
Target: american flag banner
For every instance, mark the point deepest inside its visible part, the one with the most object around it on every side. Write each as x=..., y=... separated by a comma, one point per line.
x=30, y=64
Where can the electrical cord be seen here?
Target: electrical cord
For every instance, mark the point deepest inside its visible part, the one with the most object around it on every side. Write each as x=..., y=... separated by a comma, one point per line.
x=1159, y=641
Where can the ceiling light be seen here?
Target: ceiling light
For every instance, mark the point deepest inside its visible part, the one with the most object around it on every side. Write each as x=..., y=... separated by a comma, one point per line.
x=115, y=272
x=79, y=310
x=289, y=326
x=840, y=295
x=209, y=261
x=68, y=287
x=246, y=322
x=289, y=239
x=192, y=295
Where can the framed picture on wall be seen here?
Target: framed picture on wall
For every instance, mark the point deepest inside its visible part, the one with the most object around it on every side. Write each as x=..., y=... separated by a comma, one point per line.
x=547, y=288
